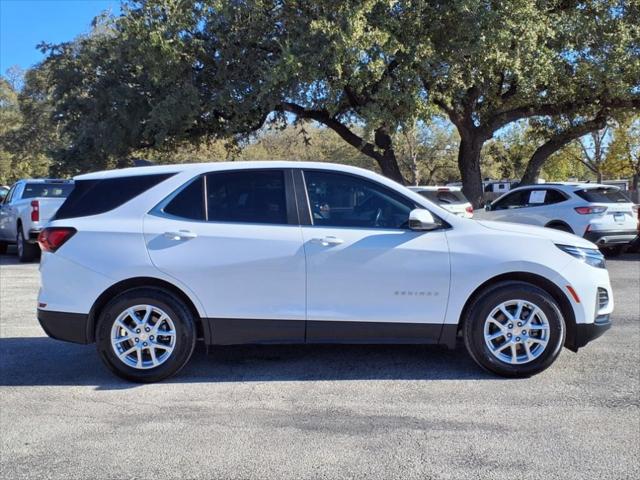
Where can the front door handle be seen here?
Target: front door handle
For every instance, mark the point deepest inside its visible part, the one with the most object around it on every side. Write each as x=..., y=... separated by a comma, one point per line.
x=180, y=235
x=329, y=240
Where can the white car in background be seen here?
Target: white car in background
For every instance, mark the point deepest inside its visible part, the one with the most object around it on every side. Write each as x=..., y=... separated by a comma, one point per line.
x=145, y=261
x=449, y=198
x=599, y=213
x=28, y=206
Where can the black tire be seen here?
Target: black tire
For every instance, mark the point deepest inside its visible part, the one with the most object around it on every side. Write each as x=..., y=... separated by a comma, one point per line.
x=611, y=252
x=181, y=317
x=563, y=227
x=27, y=252
x=484, y=304
x=3, y=247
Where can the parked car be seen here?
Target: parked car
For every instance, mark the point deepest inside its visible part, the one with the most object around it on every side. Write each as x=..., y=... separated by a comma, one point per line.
x=449, y=198
x=144, y=261
x=599, y=213
x=27, y=207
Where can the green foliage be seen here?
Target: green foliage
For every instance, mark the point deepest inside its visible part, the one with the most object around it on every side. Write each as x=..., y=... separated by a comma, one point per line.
x=623, y=159
x=17, y=160
x=169, y=73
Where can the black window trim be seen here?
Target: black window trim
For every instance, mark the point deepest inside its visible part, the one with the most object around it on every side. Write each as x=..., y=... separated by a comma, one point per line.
x=530, y=188
x=304, y=199
x=290, y=199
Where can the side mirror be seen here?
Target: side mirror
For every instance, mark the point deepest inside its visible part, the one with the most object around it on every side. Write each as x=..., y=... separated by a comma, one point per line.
x=422, y=220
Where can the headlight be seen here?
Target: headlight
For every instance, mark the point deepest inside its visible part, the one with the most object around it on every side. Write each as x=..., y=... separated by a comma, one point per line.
x=592, y=256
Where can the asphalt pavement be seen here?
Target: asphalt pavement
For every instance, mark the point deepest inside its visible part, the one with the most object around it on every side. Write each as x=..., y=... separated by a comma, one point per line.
x=294, y=412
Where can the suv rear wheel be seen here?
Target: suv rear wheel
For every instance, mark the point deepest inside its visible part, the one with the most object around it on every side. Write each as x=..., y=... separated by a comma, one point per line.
x=514, y=329
x=145, y=335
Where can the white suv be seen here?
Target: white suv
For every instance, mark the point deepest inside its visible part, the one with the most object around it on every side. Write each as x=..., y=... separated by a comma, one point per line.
x=449, y=198
x=145, y=261
x=599, y=213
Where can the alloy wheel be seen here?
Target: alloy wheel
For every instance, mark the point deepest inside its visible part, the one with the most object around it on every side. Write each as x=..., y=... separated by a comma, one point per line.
x=143, y=337
x=516, y=332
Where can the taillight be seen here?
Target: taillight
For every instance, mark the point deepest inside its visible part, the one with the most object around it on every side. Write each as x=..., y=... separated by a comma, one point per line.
x=35, y=211
x=590, y=210
x=52, y=238
x=469, y=210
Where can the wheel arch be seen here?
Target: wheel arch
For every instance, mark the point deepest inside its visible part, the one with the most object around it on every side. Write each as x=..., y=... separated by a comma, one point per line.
x=140, y=282
x=560, y=223
x=547, y=285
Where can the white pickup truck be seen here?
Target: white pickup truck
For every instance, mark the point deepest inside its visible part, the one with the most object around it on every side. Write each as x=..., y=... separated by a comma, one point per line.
x=25, y=210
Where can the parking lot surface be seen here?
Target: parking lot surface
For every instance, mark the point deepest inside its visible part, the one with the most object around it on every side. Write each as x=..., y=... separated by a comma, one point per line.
x=317, y=411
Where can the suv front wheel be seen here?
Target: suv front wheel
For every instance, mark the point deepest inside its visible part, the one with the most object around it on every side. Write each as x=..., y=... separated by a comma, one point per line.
x=145, y=335
x=514, y=329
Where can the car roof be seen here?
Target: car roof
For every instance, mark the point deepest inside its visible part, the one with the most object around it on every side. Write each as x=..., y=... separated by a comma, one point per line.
x=580, y=185
x=436, y=188
x=44, y=180
x=565, y=186
x=197, y=168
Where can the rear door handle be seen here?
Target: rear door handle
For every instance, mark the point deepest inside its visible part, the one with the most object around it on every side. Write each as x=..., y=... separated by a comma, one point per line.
x=329, y=240
x=180, y=235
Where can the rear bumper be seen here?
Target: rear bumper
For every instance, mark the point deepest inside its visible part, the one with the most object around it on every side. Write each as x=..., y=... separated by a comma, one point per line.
x=612, y=237
x=69, y=327
x=33, y=234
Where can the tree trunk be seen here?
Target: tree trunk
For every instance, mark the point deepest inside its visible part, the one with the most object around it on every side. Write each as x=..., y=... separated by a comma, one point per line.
x=387, y=161
x=599, y=176
x=469, y=165
x=540, y=156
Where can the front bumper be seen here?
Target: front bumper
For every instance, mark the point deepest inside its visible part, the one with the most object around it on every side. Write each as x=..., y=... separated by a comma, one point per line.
x=606, y=238
x=586, y=332
x=69, y=327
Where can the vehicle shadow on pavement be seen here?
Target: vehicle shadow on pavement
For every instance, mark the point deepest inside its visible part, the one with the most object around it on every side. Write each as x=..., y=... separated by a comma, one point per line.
x=30, y=361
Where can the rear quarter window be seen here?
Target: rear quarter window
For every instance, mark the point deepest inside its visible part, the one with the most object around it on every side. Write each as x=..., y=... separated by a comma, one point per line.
x=602, y=195
x=92, y=197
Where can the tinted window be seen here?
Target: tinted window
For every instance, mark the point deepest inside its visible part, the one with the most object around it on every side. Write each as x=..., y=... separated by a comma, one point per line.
x=444, y=197
x=251, y=196
x=602, y=195
x=512, y=200
x=189, y=202
x=91, y=197
x=51, y=190
x=554, y=196
x=339, y=200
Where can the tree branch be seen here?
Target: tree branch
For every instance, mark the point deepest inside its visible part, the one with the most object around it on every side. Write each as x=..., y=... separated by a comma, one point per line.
x=526, y=111
x=322, y=116
x=558, y=141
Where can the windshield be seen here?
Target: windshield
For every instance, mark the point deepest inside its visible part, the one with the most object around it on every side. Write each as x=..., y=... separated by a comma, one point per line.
x=50, y=190
x=603, y=195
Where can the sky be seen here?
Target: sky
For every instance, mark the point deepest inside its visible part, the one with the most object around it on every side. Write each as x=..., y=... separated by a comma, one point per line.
x=26, y=23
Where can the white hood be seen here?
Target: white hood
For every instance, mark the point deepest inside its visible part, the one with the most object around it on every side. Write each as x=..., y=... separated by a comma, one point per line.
x=556, y=236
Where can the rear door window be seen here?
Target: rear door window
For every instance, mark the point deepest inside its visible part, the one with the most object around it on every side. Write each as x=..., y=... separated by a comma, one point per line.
x=602, y=195
x=249, y=196
x=92, y=197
